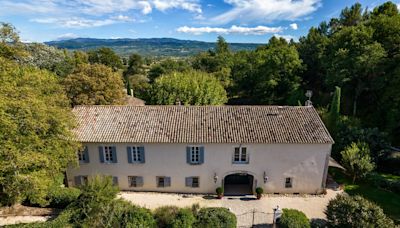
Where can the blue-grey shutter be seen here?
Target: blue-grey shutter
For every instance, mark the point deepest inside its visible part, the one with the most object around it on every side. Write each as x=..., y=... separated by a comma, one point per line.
x=78, y=181
x=167, y=181
x=139, y=181
x=101, y=154
x=129, y=151
x=86, y=153
x=141, y=151
x=188, y=181
x=201, y=161
x=188, y=154
x=114, y=153
x=115, y=181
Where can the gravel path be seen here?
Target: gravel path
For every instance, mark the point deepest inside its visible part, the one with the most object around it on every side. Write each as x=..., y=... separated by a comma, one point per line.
x=243, y=207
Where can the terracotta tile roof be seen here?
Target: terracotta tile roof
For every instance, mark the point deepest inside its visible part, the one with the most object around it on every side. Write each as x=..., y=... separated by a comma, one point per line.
x=200, y=124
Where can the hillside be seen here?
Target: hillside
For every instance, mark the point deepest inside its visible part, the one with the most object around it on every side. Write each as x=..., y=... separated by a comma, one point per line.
x=147, y=47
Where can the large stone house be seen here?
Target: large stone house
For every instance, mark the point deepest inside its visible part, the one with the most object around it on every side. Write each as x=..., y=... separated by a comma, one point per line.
x=194, y=149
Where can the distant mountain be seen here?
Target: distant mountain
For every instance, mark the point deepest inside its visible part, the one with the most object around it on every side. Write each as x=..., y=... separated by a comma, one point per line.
x=147, y=47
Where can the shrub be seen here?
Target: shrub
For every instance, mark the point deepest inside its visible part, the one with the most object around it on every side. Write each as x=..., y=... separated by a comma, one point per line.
x=381, y=182
x=292, y=218
x=355, y=211
x=219, y=190
x=184, y=218
x=215, y=217
x=259, y=190
x=318, y=223
x=94, y=205
x=165, y=215
x=61, y=197
x=130, y=216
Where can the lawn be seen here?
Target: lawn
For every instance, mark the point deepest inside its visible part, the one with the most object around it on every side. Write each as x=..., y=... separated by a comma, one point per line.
x=388, y=201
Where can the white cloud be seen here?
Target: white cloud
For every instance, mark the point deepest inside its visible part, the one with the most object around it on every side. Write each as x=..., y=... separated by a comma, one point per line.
x=294, y=26
x=259, y=30
x=75, y=22
x=124, y=18
x=266, y=10
x=286, y=37
x=67, y=36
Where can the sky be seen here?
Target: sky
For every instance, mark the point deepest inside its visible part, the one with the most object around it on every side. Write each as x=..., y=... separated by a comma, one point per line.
x=243, y=21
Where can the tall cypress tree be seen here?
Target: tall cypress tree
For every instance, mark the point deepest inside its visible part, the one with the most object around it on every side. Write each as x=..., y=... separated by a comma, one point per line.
x=334, y=111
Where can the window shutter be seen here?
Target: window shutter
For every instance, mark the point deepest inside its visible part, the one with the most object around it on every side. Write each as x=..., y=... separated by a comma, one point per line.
x=139, y=181
x=86, y=152
x=141, y=151
x=188, y=154
x=188, y=181
x=114, y=154
x=115, y=181
x=101, y=154
x=167, y=181
x=129, y=152
x=78, y=181
x=201, y=161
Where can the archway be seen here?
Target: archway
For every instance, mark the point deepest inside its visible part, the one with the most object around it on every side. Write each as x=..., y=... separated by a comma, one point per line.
x=238, y=184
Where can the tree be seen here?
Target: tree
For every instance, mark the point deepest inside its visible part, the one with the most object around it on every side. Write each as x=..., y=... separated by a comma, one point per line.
x=94, y=85
x=357, y=160
x=222, y=46
x=10, y=44
x=105, y=56
x=346, y=211
x=354, y=60
x=215, y=217
x=334, y=112
x=35, y=125
x=277, y=73
x=190, y=88
x=168, y=66
x=351, y=16
x=135, y=65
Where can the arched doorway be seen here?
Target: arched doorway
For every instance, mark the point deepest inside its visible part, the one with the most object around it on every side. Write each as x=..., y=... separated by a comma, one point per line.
x=238, y=184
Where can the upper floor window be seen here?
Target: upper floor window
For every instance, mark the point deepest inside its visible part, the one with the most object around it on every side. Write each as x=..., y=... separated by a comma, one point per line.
x=108, y=154
x=83, y=155
x=135, y=154
x=195, y=154
x=240, y=155
x=288, y=182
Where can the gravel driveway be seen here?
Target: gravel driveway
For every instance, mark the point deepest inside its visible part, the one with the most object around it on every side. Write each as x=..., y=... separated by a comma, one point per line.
x=243, y=207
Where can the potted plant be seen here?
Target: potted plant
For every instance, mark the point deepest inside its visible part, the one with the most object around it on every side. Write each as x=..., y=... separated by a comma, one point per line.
x=259, y=192
x=220, y=192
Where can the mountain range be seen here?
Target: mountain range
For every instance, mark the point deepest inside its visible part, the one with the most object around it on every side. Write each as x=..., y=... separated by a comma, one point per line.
x=154, y=47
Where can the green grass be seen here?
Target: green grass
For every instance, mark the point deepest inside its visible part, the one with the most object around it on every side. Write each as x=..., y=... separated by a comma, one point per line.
x=390, y=176
x=388, y=201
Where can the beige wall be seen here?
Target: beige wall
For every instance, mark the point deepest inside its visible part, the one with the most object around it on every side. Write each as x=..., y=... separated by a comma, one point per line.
x=305, y=163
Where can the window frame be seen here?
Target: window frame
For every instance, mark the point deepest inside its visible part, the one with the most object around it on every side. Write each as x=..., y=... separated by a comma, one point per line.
x=194, y=153
x=198, y=182
x=135, y=154
x=109, y=150
x=81, y=156
x=290, y=183
x=158, y=181
x=240, y=155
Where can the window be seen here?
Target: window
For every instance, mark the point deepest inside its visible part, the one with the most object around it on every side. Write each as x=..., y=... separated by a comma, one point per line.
x=135, y=181
x=192, y=182
x=81, y=180
x=135, y=154
x=108, y=154
x=240, y=155
x=288, y=182
x=163, y=182
x=195, y=155
x=83, y=155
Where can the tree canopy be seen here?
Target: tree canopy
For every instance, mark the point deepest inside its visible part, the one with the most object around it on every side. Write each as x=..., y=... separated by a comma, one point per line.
x=94, y=85
x=36, y=143
x=189, y=88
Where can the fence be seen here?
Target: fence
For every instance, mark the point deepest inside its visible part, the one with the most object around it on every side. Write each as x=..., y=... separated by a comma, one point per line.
x=255, y=218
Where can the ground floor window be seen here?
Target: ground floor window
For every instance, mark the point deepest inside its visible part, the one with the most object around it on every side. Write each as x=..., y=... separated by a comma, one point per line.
x=288, y=182
x=193, y=182
x=135, y=181
x=163, y=182
x=81, y=180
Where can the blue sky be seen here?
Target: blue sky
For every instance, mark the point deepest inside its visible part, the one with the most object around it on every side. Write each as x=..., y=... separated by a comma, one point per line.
x=236, y=20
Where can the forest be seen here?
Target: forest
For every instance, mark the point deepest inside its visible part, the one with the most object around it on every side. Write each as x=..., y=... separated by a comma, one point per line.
x=350, y=63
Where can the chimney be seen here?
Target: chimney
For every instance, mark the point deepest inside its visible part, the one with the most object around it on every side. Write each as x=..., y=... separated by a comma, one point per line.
x=308, y=94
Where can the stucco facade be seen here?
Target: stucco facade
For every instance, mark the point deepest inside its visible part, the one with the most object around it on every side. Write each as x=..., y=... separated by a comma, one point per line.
x=306, y=164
